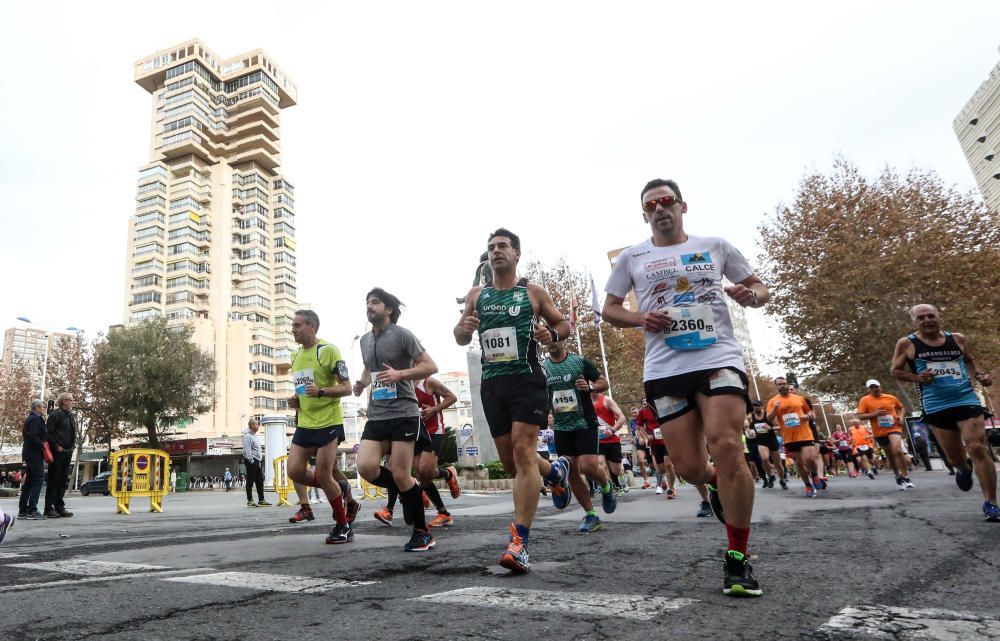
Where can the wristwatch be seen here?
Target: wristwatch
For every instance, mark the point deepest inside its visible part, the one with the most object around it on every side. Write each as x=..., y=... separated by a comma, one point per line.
x=319, y=393
x=753, y=298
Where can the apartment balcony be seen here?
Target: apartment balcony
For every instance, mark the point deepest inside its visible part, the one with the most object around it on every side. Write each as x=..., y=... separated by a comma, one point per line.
x=250, y=115
x=252, y=128
x=240, y=145
x=258, y=155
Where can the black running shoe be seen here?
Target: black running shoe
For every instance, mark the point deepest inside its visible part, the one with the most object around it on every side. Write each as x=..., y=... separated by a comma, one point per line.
x=713, y=498
x=739, y=578
x=784, y=484
x=341, y=534
x=420, y=541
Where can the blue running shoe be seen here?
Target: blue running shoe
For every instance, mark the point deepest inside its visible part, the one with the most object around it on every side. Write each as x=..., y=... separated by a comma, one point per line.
x=6, y=524
x=609, y=502
x=591, y=523
x=561, y=492
x=810, y=492
x=991, y=512
x=963, y=479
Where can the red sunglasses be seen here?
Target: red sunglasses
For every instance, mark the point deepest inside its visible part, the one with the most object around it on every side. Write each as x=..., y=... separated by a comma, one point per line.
x=663, y=201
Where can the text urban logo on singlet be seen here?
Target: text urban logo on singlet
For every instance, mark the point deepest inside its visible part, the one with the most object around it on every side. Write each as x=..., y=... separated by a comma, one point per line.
x=514, y=310
x=698, y=262
x=495, y=308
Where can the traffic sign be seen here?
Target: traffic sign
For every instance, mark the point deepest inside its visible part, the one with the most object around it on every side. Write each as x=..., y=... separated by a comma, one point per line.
x=141, y=462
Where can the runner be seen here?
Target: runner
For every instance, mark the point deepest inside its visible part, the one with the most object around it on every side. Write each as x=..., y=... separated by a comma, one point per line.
x=546, y=437
x=845, y=454
x=515, y=399
x=663, y=468
x=941, y=363
x=610, y=420
x=321, y=379
x=434, y=397
x=752, y=452
x=792, y=413
x=693, y=371
x=885, y=414
x=571, y=379
x=864, y=448
x=767, y=444
x=640, y=419
x=393, y=359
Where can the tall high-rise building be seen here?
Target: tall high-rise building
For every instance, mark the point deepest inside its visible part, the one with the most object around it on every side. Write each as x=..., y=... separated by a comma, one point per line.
x=978, y=131
x=30, y=346
x=212, y=239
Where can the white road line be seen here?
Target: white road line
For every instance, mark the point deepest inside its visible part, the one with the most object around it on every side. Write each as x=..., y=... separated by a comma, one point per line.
x=632, y=606
x=95, y=579
x=270, y=582
x=887, y=622
x=11, y=555
x=86, y=567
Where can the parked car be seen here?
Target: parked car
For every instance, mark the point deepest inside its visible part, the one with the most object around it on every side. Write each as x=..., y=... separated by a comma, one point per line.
x=99, y=485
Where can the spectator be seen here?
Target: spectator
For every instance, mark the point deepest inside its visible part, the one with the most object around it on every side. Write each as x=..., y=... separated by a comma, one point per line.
x=227, y=480
x=61, y=427
x=253, y=460
x=173, y=479
x=34, y=435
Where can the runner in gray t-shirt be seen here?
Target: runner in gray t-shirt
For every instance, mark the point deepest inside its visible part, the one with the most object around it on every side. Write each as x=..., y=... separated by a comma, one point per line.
x=393, y=358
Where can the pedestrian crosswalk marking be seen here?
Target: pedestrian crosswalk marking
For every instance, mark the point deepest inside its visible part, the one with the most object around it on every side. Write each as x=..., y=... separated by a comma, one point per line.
x=11, y=555
x=270, y=582
x=906, y=624
x=631, y=606
x=18, y=587
x=85, y=567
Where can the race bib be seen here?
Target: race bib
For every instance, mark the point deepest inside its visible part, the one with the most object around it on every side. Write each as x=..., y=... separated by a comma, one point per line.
x=302, y=378
x=690, y=327
x=499, y=345
x=886, y=421
x=762, y=428
x=564, y=401
x=862, y=448
x=657, y=434
x=946, y=369
x=791, y=420
x=842, y=445
x=382, y=391
x=751, y=433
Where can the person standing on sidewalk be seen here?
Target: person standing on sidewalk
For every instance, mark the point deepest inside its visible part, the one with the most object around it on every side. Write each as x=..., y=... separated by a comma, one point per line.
x=253, y=460
x=34, y=435
x=61, y=427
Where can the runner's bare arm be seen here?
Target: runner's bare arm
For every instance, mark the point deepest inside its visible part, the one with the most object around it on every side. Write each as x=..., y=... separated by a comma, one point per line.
x=749, y=292
x=970, y=361
x=468, y=324
x=547, y=311
x=423, y=366
x=362, y=383
x=615, y=313
x=899, y=359
x=617, y=411
x=439, y=389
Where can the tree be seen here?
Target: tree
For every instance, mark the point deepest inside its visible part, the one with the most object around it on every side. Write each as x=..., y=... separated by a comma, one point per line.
x=16, y=389
x=625, y=348
x=152, y=374
x=850, y=255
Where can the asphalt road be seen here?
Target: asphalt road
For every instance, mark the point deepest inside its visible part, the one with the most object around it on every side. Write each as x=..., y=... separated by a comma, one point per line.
x=861, y=561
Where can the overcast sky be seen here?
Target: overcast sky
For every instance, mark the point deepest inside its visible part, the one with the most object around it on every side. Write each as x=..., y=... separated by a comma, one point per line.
x=422, y=126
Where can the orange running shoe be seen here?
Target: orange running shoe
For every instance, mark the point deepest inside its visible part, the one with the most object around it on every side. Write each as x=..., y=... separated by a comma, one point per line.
x=515, y=557
x=427, y=501
x=384, y=515
x=442, y=520
x=646, y=485
x=453, y=486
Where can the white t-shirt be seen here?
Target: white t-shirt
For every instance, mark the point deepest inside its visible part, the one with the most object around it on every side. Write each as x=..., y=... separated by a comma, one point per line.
x=686, y=281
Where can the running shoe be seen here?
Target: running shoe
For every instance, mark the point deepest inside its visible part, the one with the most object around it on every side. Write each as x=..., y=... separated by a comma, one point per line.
x=442, y=520
x=705, y=509
x=899, y=483
x=251, y=504
x=963, y=479
x=5, y=525
x=671, y=494
x=819, y=483
x=620, y=491
x=384, y=515
x=739, y=579
x=608, y=502
x=871, y=475
x=810, y=492
x=990, y=511
x=713, y=498
x=353, y=507
x=646, y=485
x=659, y=489
x=561, y=492
x=420, y=541
x=340, y=534
x=263, y=503
x=591, y=523
x=34, y=516
x=784, y=484
x=453, y=486
x=907, y=483
x=515, y=557
x=305, y=513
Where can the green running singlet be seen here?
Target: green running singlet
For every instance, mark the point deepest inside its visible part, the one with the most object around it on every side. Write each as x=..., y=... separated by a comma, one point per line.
x=505, y=332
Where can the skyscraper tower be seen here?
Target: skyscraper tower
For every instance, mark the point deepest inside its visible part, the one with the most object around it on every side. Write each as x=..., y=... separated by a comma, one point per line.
x=212, y=240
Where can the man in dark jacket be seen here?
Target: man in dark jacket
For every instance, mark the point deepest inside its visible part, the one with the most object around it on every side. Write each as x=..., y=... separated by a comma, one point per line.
x=62, y=438
x=34, y=434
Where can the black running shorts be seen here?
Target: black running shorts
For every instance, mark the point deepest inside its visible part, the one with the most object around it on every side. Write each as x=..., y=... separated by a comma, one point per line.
x=407, y=428
x=317, y=436
x=948, y=419
x=521, y=398
x=611, y=451
x=432, y=443
x=796, y=446
x=577, y=442
x=674, y=396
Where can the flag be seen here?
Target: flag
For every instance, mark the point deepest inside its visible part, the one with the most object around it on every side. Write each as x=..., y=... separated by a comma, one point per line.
x=594, y=305
x=573, y=305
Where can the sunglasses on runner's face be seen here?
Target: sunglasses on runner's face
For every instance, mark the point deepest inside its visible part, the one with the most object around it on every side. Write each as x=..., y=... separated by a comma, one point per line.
x=663, y=201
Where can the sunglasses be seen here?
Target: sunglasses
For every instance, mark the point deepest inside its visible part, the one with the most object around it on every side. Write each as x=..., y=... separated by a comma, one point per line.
x=663, y=201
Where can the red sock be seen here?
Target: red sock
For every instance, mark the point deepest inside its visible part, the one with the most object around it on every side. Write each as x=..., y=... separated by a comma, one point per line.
x=738, y=537
x=339, y=511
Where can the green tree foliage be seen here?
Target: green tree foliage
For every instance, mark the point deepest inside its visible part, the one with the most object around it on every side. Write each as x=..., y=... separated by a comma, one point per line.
x=848, y=257
x=150, y=374
x=625, y=348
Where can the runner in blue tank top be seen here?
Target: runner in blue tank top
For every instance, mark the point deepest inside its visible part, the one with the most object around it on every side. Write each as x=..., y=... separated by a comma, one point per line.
x=940, y=363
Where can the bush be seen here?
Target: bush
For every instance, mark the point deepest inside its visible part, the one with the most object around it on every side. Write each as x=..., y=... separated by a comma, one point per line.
x=497, y=471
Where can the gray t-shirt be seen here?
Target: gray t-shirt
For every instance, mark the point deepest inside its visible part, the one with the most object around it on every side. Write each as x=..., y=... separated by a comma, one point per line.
x=398, y=347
